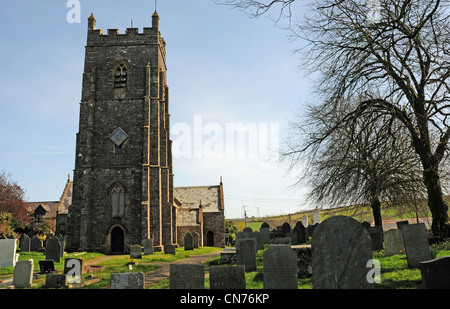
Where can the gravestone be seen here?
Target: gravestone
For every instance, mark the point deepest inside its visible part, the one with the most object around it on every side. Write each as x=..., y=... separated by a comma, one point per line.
x=340, y=251
x=248, y=229
x=187, y=276
x=25, y=243
x=62, y=242
x=305, y=221
x=316, y=216
x=195, y=238
x=188, y=242
x=402, y=223
x=265, y=232
x=416, y=244
x=227, y=277
x=36, y=244
x=393, y=243
x=46, y=266
x=436, y=273
x=300, y=232
x=366, y=225
x=127, y=281
x=246, y=253
x=53, y=250
x=8, y=249
x=55, y=281
x=169, y=249
x=311, y=228
x=135, y=252
x=376, y=237
x=257, y=236
x=280, y=267
x=23, y=274
x=148, y=246
x=286, y=229
x=281, y=241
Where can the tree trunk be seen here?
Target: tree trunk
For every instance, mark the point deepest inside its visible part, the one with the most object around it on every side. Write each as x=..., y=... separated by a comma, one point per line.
x=436, y=203
x=376, y=211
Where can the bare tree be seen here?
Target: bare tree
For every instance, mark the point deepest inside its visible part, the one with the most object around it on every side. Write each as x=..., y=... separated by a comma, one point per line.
x=401, y=49
x=367, y=162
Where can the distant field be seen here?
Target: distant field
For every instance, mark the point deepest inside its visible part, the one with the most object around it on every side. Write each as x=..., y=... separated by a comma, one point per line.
x=360, y=213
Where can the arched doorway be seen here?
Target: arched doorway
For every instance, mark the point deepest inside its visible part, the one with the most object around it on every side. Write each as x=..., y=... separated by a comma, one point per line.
x=210, y=239
x=117, y=240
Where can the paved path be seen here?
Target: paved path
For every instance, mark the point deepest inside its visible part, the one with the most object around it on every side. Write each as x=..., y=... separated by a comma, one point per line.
x=162, y=273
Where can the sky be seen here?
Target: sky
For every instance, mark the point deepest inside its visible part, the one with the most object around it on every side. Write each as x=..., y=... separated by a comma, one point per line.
x=227, y=73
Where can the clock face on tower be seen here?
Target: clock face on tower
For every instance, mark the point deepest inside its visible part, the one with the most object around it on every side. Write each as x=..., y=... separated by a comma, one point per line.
x=119, y=136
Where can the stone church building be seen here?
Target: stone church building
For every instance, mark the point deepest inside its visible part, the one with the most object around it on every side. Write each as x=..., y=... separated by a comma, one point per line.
x=123, y=182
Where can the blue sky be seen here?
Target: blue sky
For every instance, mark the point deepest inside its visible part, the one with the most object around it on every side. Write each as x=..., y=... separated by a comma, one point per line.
x=223, y=68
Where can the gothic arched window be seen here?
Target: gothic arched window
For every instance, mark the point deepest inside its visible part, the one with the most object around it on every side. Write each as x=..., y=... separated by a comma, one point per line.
x=117, y=200
x=120, y=75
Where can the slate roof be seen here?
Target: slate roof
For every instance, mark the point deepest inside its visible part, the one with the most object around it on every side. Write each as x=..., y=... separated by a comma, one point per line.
x=209, y=196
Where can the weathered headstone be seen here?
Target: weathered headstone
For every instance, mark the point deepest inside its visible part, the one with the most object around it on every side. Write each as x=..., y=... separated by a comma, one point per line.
x=265, y=232
x=300, y=232
x=55, y=281
x=393, y=243
x=376, y=237
x=62, y=242
x=169, y=249
x=8, y=249
x=46, y=266
x=36, y=244
x=127, y=281
x=316, y=216
x=286, y=229
x=227, y=277
x=188, y=242
x=135, y=252
x=311, y=229
x=23, y=274
x=257, y=236
x=53, y=250
x=436, y=273
x=148, y=246
x=416, y=244
x=366, y=225
x=187, y=276
x=341, y=249
x=305, y=221
x=246, y=253
x=402, y=223
x=25, y=243
x=280, y=267
x=195, y=240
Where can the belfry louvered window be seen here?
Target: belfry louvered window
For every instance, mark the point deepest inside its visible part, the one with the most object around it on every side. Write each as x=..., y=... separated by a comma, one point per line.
x=120, y=76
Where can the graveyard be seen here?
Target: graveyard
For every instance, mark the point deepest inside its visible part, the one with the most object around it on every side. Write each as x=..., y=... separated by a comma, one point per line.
x=337, y=253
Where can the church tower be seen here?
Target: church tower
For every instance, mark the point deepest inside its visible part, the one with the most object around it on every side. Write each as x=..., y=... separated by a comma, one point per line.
x=123, y=179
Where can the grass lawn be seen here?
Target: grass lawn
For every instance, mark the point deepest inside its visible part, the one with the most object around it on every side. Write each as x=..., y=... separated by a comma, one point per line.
x=395, y=273
x=116, y=264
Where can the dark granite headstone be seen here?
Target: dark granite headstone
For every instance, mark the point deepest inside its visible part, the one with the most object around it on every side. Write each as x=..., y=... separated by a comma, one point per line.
x=393, y=243
x=416, y=244
x=340, y=251
x=227, y=277
x=246, y=253
x=187, y=276
x=188, y=242
x=436, y=273
x=280, y=267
